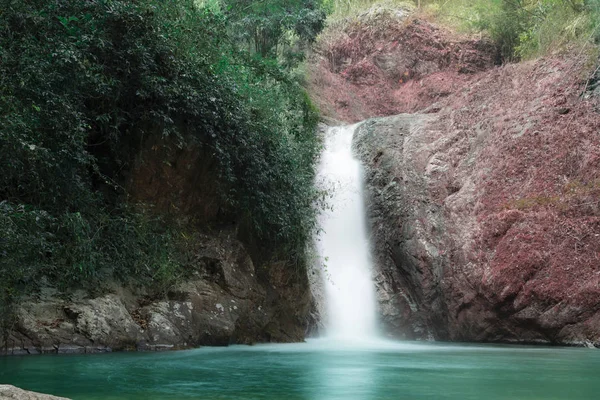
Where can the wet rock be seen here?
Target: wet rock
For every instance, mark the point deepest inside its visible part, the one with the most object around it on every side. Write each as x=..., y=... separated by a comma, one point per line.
x=406, y=259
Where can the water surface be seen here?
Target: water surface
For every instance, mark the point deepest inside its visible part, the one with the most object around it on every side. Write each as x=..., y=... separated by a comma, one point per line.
x=318, y=370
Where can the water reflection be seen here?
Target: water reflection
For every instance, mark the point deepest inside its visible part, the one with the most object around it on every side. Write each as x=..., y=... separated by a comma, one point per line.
x=343, y=377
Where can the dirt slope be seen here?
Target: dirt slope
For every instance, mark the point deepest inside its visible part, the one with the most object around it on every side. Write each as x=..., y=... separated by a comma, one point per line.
x=386, y=62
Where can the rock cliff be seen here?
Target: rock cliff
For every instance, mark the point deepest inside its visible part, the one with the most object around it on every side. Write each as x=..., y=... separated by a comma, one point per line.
x=385, y=62
x=484, y=210
x=483, y=181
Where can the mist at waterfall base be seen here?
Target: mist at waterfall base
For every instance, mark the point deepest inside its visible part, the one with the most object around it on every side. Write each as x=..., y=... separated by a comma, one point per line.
x=342, y=243
x=350, y=363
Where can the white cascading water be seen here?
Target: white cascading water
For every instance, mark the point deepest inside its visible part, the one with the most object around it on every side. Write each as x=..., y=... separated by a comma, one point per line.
x=343, y=244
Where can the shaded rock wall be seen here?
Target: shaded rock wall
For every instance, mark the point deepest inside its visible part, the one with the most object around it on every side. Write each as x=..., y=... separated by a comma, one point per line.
x=234, y=293
x=224, y=302
x=407, y=273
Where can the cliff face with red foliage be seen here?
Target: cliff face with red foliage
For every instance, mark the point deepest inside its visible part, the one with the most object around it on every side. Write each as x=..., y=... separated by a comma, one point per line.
x=538, y=203
x=386, y=63
x=484, y=204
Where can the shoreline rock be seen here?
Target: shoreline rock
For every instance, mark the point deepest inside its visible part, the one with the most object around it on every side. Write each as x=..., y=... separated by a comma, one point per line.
x=226, y=301
x=12, y=392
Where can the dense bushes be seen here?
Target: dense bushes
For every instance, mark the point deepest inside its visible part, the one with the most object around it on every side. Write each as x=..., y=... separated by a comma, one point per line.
x=341, y=9
x=529, y=28
x=82, y=83
x=273, y=27
x=525, y=28
x=550, y=25
x=521, y=28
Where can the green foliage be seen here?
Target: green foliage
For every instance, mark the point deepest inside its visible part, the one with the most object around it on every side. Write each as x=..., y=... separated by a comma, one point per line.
x=521, y=28
x=271, y=26
x=73, y=248
x=463, y=15
x=84, y=83
x=507, y=24
x=554, y=24
x=526, y=28
x=340, y=9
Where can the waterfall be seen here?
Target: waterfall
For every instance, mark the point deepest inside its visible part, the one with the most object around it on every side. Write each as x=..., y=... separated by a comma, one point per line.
x=342, y=243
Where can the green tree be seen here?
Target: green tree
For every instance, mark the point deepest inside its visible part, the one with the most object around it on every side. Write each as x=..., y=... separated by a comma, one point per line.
x=266, y=25
x=84, y=83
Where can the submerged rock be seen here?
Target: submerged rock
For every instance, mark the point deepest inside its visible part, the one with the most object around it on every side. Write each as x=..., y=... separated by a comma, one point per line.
x=11, y=392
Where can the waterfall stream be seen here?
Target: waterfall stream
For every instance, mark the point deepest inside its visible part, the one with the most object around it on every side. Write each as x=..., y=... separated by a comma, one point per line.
x=343, y=244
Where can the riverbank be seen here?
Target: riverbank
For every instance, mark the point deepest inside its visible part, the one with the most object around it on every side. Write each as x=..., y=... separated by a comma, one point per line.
x=11, y=392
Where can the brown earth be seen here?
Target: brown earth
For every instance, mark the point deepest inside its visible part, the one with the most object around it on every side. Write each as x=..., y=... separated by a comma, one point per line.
x=386, y=62
x=484, y=203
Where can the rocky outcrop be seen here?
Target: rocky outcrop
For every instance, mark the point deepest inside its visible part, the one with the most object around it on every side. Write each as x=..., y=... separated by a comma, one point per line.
x=11, y=392
x=225, y=300
x=485, y=211
x=387, y=61
x=408, y=292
